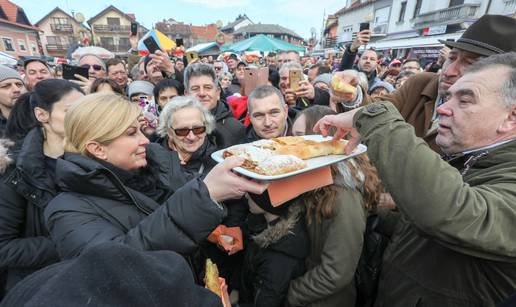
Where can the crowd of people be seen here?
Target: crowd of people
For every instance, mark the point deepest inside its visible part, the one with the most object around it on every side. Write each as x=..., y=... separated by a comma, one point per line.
x=109, y=195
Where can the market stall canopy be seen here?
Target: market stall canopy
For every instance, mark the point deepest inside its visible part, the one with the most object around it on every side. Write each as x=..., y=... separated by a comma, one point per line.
x=262, y=43
x=98, y=51
x=161, y=39
x=205, y=49
x=7, y=59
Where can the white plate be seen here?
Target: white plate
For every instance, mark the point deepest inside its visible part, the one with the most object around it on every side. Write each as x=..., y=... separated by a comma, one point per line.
x=313, y=163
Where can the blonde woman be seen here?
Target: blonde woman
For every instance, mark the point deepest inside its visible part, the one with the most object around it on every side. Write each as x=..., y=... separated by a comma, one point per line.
x=118, y=187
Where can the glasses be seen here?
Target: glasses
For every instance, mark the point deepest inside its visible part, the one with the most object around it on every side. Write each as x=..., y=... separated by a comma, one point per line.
x=217, y=68
x=186, y=131
x=95, y=66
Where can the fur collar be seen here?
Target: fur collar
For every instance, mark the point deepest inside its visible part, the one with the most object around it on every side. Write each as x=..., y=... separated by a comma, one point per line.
x=5, y=159
x=282, y=228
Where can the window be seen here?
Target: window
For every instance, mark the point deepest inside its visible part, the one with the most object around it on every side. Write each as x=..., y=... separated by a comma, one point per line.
x=8, y=44
x=403, y=8
x=456, y=2
x=59, y=21
x=124, y=41
x=54, y=40
x=21, y=44
x=106, y=42
x=113, y=21
x=417, y=9
x=33, y=47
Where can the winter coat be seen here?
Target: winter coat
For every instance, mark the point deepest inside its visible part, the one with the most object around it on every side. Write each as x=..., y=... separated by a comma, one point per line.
x=25, y=190
x=3, y=125
x=199, y=164
x=96, y=207
x=335, y=248
x=456, y=245
x=273, y=258
x=415, y=100
x=228, y=130
x=251, y=135
x=321, y=97
x=347, y=62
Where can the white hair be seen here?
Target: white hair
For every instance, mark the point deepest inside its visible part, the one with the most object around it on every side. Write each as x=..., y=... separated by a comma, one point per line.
x=178, y=103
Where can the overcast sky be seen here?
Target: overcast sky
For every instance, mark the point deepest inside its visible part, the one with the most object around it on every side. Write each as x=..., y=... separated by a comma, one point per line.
x=297, y=15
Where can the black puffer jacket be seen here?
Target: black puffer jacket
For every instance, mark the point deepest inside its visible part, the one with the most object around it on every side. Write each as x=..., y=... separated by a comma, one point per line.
x=228, y=130
x=274, y=257
x=97, y=207
x=25, y=190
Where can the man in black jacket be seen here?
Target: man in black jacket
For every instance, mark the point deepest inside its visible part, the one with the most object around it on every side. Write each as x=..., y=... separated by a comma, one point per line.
x=306, y=95
x=269, y=114
x=11, y=87
x=200, y=81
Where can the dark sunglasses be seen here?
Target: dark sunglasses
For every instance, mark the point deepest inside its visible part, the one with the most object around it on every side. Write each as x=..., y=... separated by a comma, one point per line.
x=217, y=68
x=186, y=131
x=95, y=66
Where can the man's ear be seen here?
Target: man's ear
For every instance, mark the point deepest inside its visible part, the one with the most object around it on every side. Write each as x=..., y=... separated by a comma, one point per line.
x=509, y=124
x=41, y=115
x=96, y=150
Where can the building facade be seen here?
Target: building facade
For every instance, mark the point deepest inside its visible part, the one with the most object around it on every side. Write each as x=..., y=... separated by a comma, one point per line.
x=412, y=28
x=240, y=22
x=111, y=29
x=60, y=31
x=18, y=37
x=271, y=30
x=176, y=31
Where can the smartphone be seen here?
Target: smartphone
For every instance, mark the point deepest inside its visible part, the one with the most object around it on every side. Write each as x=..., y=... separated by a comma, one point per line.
x=151, y=44
x=149, y=110
x=191, y=56
x=364, y=26
x=253, y=78
x=69, y=72
x=134, y=28
x=295, y=76
x=179, y=42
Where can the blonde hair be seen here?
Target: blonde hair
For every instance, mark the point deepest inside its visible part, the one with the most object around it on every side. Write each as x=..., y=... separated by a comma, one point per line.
x=100, y=117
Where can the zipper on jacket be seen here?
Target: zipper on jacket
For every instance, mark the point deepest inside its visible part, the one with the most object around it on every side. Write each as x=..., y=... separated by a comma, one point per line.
x=122, y=187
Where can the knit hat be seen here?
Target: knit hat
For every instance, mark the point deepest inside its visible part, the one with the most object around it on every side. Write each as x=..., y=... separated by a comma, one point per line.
x=8, y=73
x=324, y=78
x=385, y=85
x=112, y=274
x=140, y=86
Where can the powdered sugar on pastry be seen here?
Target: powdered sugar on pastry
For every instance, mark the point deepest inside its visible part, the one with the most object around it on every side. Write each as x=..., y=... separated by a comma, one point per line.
x=280, y=164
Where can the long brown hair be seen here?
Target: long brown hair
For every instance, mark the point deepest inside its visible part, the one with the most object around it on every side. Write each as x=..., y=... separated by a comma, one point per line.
x=321, y=202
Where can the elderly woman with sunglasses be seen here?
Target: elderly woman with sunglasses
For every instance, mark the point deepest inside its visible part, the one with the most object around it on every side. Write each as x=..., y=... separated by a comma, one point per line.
x=96, y=69
x=184, y=125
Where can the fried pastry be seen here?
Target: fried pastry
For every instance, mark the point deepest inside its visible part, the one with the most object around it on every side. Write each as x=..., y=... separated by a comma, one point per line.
x=211, y=277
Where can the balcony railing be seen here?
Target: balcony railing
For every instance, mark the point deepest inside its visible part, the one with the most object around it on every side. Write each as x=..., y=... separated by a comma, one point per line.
x=447, y=16
x=63, y=28
x=116, y=48
x=111, y=28
x=56, y=47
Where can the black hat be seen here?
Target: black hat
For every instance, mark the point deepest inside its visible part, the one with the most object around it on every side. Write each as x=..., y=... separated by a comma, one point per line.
x=112, y=274
x=491, y=34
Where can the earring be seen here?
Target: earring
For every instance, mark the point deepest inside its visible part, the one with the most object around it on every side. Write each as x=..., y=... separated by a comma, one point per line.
x=44, y=133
